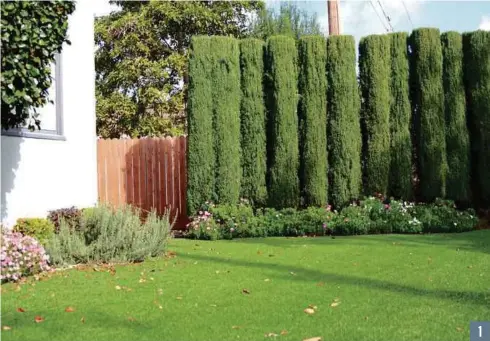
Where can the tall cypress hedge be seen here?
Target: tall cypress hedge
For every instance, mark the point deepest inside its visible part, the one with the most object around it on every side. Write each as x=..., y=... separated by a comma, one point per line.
x=200, y=153
x=476, y=49
x=374, y=81
x=283, y=179
x=343, y=131
x=400, y=183
x=313, y=119
x=428, y=100
x=253, y=133
x=457, y=138
x=226, y=109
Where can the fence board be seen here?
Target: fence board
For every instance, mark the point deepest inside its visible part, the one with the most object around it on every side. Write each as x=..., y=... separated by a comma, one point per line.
x=129, y=172
x=147, y=173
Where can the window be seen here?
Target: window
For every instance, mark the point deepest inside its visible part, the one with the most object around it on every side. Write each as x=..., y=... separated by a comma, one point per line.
x=51, y=115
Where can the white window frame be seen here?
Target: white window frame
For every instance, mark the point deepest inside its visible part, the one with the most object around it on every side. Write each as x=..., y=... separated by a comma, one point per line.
x=47, y=134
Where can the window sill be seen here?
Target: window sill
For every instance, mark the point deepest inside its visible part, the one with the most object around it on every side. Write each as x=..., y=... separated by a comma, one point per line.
x=40, y=134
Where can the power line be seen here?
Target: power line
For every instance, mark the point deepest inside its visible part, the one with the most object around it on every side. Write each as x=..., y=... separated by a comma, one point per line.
x=379, y=17
x=387, y=17
x=408, y=14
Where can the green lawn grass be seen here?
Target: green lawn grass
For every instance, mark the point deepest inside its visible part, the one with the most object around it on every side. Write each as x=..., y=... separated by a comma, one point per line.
x=389, y=287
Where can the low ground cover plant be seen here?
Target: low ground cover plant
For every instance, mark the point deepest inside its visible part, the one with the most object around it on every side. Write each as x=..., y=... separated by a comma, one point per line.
x=372, y=215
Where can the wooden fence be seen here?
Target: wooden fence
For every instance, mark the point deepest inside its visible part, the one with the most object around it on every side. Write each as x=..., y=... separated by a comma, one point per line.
x=149, y=173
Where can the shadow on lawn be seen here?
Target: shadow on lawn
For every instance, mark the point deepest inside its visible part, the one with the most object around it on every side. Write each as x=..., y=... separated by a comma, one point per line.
x=473, y=241
x=308, y=275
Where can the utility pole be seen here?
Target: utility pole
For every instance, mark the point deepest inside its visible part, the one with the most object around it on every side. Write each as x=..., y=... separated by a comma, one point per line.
x=333, y=17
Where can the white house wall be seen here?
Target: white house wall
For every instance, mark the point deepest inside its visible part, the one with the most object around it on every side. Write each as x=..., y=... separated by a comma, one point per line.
x=39, y=175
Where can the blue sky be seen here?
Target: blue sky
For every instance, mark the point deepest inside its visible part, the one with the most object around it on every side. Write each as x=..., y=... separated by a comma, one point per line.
x=359, y=18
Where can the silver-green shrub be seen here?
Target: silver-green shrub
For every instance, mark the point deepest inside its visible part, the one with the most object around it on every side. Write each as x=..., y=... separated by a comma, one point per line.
x=110, y=235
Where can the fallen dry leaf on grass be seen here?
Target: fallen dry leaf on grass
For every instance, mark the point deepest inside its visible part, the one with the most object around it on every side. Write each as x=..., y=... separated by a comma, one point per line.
x=118, y=287
x=236, y=327
x=266, y=280
x=292, y=273
x=284, y=332
x=320, y=284
x=179, y=297
x=38, y=319
x=6, y=328
x=271, y=335
x=318, y=338
x=131, y=319
x=309, y=311
x=314, y=307
x=246, y=291
x=69, y=309
x=82, y=319
x=459, y=329
x=142, y=280
x=160, y=291
x=21, y=310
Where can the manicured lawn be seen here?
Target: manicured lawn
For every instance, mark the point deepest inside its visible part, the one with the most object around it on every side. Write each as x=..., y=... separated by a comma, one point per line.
x=389, y=287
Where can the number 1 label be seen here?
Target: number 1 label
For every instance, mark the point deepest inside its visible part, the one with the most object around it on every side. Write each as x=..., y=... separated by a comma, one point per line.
x=480, y=331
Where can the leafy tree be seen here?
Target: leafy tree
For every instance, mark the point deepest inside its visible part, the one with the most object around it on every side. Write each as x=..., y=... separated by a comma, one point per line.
x=313, y=119
x=374, y=77
x=142, y=57
x=32, y=33
x=289, y=20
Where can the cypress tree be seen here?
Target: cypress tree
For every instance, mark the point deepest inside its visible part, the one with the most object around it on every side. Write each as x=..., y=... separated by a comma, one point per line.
x=476, y=49
x=313, y=119
x=200, y=151
x=457, y=138
x=253, y=133
x=400, y=183
x=226, y=109
x=343, y=131
x=283, y=179
x=374, y=77
x=428, y=100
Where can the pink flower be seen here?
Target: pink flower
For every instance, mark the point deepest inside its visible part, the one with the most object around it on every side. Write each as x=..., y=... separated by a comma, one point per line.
x=387, y=207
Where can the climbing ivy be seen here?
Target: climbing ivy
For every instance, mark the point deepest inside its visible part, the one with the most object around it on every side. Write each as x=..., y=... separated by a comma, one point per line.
x=32, y=33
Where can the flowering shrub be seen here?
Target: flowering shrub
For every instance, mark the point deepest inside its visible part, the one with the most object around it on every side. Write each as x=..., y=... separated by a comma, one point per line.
x=21, y=256
x=203, y=226
x=369, y=216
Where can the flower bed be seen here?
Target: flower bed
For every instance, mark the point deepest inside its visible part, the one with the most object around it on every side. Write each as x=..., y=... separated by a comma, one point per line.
x=370, y=216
